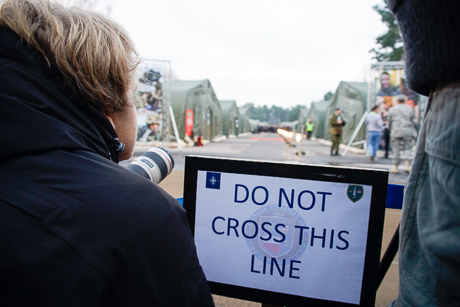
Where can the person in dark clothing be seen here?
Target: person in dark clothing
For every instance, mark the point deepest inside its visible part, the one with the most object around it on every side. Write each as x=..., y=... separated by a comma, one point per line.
x=429, y=249
x=386, y=134
x=77, y=229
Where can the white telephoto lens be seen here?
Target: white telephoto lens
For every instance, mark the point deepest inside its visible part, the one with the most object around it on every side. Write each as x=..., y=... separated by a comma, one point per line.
x=154, y=165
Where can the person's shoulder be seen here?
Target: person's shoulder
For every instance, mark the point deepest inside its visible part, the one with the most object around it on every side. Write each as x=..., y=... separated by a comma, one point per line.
x=116, y=203
x=127, y=189
x=406, y=107
x=106, y=188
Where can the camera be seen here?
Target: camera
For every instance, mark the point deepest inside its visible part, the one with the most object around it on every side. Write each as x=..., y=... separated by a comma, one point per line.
x=154, y=165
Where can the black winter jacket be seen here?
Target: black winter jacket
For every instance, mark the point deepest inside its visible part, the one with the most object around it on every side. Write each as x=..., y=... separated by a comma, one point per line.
x=77, y=229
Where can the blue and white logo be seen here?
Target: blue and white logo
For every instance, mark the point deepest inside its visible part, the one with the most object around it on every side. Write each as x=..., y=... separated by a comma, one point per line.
x=213, y=180
x=284, y=242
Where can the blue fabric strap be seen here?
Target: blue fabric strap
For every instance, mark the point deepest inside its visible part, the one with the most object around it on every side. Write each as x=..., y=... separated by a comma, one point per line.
x=395, y=194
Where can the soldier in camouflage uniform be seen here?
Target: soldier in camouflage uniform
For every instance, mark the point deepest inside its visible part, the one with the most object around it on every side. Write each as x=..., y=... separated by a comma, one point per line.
x=336, y=121
x=401, y=119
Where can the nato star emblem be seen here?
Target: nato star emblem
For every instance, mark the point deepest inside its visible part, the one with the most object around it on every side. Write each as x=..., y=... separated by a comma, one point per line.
x=213, y=180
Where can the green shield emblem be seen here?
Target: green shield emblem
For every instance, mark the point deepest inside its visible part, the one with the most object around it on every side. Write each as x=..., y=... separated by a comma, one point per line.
x=355, y=192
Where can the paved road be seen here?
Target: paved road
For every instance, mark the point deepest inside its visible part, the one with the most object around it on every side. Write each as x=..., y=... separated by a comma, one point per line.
x=271, y=147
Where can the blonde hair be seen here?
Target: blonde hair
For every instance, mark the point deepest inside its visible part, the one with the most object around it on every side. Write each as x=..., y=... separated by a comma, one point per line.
x=95, y=55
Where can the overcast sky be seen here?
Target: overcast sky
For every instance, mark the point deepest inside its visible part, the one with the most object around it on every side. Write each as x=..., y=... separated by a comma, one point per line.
x=269, y=52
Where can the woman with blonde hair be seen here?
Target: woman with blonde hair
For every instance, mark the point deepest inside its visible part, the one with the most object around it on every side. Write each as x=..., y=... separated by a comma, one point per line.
x=78, y=229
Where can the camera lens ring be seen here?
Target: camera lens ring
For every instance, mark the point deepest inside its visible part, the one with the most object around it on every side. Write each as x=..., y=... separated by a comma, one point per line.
x=154, y=165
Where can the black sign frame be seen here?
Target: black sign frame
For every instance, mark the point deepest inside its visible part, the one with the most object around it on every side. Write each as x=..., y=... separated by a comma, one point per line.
x=378, y=179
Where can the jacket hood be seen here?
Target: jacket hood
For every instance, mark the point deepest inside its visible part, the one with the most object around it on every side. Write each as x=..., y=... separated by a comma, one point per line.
x=39, y=112
x=394, y=4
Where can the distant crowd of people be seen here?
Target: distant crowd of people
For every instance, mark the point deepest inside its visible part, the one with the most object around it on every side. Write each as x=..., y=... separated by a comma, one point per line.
x=392, y=124
x=397, y=123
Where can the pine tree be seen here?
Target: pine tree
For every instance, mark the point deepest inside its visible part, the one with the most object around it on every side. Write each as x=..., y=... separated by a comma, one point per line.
x=390, y=44
x=328, y=96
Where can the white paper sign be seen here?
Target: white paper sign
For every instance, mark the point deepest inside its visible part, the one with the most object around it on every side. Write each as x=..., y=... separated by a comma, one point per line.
x=293, y=236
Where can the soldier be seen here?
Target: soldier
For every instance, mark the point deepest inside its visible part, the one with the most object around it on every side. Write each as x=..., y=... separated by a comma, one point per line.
x=401, y=120
x=336, y=123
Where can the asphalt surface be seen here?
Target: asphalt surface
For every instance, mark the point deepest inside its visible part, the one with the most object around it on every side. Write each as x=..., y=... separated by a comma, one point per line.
x=272, y=147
